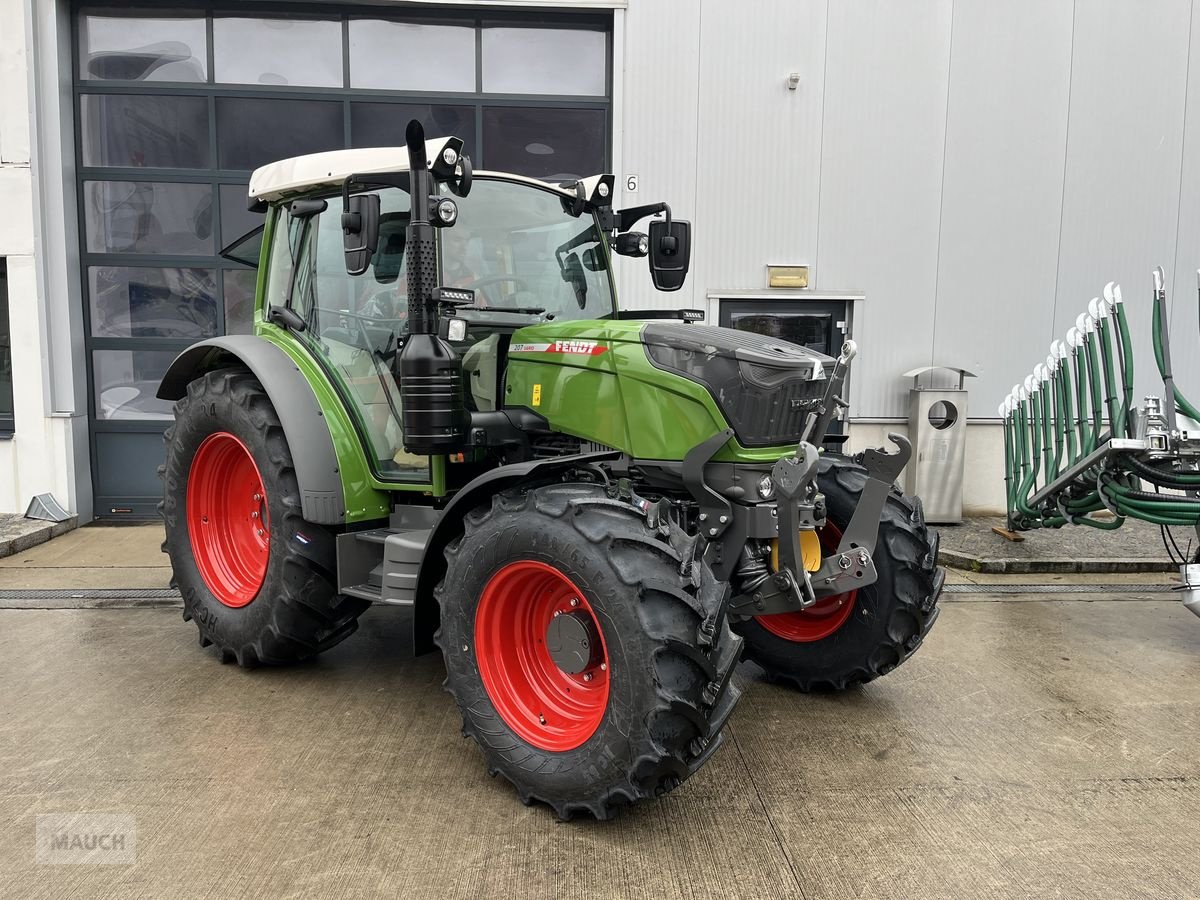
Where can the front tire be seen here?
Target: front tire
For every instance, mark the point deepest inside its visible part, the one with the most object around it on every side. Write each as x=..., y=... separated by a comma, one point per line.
x=641, y=706
x=257, y=579
x=856, y=637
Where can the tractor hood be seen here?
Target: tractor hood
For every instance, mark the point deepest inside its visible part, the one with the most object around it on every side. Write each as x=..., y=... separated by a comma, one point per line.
x=765, y=387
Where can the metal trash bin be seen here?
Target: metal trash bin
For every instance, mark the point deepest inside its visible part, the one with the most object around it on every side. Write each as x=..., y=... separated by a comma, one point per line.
x=937, y=428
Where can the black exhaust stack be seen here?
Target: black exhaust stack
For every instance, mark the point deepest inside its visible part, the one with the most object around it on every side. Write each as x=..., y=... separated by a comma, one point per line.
x=430, y=373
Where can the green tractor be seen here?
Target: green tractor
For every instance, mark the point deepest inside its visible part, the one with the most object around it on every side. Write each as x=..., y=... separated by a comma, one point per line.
x=594, y=513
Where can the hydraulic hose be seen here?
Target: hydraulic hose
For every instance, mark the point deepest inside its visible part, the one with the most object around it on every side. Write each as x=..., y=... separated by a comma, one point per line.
x=1086, y=443
x=1126, y=343
x=1110, y=378
x=1180, y=400
x=1165, y=479
x=1093, y=373
x=1030, y=479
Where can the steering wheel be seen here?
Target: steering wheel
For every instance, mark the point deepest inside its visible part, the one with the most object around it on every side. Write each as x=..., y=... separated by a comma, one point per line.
x=521, y=283
x=480, y=301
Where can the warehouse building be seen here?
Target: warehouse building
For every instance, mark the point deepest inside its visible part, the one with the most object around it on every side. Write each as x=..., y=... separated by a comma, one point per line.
x=948, y=181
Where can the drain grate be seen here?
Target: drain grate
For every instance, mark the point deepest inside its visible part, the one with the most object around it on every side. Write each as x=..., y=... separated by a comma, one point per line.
x=92, y=598
x=1058, y=588
x=92, y=594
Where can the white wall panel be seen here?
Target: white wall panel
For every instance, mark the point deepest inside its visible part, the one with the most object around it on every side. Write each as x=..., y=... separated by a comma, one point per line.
x=661, y=74
x=758, y=171
x=1124, y=152
x=1006, y=132
x=1185, y=342
x=14, y=111
x=881, y=174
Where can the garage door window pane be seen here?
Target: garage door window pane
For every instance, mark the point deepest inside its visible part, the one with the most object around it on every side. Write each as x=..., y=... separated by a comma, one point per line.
x=383, y=124
x=148, y=217
x=543, y=61
x=156, y=132
x=404, y=56
x=239, y=300
x=126, y=382
x=252, y=132
x=128, y=301
x=134, y=49
x=553, y=144
x=277, y=52
x=236, y=220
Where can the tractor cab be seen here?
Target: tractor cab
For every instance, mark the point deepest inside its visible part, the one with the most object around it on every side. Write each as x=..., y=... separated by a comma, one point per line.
x=501, y=252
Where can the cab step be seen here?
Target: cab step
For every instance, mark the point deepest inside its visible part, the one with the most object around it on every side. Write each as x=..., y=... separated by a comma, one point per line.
x=381, y=565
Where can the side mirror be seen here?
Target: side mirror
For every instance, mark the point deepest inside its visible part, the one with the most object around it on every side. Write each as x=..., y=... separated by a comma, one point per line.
x=670, y=253
x=593, y=260
x=360, y=231
x=572, y=274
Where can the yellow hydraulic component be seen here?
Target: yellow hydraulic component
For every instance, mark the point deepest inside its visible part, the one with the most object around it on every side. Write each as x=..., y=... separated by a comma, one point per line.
x=810, y=551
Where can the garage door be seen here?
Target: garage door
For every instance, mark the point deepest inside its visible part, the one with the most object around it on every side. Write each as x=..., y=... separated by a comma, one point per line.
x=174, y=110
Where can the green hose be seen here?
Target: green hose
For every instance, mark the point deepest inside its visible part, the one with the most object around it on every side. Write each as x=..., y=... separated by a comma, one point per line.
x=1110, y=378
x=1093, y=371
x=1180, y=401
x=1069, y=417
x=1126, y=367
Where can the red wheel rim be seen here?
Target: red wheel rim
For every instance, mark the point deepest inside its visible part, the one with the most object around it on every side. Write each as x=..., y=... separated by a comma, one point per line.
x=547, y=707
x=227, y=519
x=821, y=619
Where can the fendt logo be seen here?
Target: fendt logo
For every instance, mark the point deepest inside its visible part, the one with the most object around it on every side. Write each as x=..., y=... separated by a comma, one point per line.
x=585, y=348
x=578, y=348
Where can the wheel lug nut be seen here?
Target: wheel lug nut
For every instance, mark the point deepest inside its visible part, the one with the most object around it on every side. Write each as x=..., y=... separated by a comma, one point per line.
x=258, y=498
x=587, y=676
x=574, y=601
x=603, y=667
x=557, y=613
x=254, y=514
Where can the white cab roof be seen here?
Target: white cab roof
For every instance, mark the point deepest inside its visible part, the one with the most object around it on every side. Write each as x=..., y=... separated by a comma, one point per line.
x=287, y=177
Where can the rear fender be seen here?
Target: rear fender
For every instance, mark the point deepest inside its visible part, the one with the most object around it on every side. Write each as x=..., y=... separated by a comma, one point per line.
x=450, y=525
x=322, y=499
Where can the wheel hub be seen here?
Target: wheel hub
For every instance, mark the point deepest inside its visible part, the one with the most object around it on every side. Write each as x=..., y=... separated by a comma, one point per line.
x=572, y=641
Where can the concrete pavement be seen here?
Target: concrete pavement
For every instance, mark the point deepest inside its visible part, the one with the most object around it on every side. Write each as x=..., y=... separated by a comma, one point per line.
x=1043, y=748
x=95, y=556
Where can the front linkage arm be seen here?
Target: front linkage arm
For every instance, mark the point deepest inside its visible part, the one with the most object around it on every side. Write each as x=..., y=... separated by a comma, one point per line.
x=852, y=566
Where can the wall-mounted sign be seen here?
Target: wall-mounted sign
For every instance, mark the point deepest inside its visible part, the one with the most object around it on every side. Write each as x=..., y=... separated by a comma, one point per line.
x=787, y=276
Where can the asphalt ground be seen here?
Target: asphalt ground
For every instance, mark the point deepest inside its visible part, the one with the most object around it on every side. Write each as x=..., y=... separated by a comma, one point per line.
x=1038, y=744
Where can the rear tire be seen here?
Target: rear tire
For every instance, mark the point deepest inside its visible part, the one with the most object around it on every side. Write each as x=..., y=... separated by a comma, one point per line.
x=888, y=619
x=647, y=719
x=257, y=579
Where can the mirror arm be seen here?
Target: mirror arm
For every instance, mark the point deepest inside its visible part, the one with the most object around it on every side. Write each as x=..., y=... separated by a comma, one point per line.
x=627, y=218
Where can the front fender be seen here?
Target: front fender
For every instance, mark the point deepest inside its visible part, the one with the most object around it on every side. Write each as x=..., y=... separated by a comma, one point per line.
x=449, y=526
x=322, y=499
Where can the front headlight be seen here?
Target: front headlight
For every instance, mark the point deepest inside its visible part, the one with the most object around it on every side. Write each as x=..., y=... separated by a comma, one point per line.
x=766, y=487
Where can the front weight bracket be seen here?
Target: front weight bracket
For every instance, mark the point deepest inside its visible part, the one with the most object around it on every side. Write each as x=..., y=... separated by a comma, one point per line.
x=883, y=469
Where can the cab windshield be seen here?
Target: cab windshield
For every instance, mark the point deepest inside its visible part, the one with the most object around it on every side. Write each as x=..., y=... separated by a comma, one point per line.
x=519, y=249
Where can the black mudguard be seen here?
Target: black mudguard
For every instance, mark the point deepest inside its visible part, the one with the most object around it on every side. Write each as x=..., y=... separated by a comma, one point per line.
x=321, y=497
